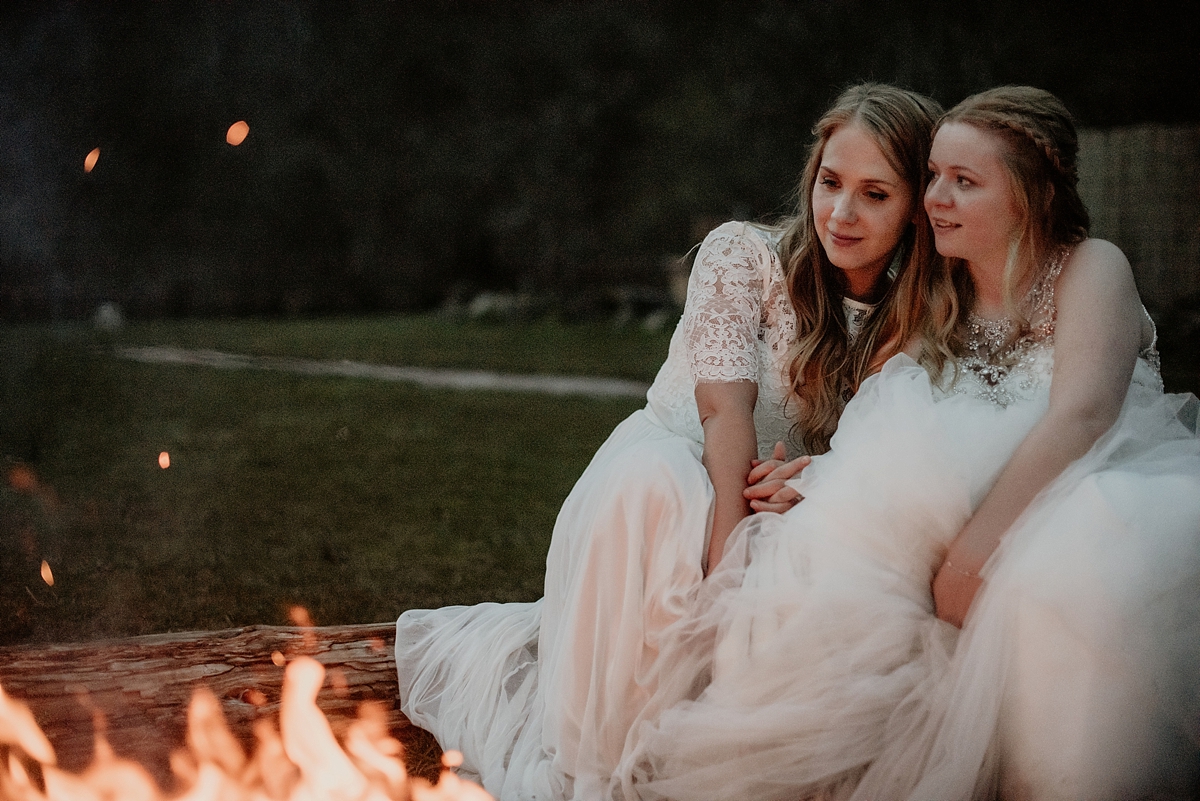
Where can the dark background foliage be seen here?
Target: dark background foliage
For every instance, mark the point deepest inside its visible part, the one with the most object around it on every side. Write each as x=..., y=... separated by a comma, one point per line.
x=404, y=153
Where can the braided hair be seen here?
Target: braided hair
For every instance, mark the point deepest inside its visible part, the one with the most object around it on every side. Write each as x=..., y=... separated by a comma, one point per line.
x=1041, y=159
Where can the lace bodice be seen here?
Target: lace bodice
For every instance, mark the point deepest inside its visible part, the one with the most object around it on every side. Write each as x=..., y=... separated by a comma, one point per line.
x=736, y=299
x=1002, y=365
x=738, y=325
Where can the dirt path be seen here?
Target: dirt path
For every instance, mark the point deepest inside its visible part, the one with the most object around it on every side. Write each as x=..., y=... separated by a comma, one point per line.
x=427, y=377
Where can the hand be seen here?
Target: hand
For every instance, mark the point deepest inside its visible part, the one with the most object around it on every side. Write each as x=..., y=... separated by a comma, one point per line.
x=953, y=592
x=766, y=489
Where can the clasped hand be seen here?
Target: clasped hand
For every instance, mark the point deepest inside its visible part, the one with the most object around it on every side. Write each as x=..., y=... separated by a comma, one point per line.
x=766, y=489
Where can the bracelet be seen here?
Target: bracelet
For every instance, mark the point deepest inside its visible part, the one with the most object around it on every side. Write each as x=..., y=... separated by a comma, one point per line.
x=959, y=570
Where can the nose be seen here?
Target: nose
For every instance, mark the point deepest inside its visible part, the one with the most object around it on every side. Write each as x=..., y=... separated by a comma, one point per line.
x=935, y=193
x=844, y=210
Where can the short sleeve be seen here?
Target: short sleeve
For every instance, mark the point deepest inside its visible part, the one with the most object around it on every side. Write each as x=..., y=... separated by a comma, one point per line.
x=724, y=306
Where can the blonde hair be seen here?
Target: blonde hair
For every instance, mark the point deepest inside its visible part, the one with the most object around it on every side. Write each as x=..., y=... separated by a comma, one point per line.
x=1040, y=156
x=901, y=123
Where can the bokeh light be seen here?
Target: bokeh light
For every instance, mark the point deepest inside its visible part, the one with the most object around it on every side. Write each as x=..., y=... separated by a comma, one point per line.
x=237, y=133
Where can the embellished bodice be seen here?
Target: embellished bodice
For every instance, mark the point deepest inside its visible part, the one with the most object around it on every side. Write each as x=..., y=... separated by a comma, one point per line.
x=738, y=324
x=1002, y=364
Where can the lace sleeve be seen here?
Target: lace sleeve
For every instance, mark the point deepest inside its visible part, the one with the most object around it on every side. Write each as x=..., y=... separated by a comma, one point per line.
x=721, y=316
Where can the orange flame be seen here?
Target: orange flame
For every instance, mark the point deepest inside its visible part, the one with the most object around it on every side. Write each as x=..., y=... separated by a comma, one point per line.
x=47, y=574
x=90, y=162
x=164, y=460
x=337, y=678
x=300, y=617
x=237, y=133
x=299, y=761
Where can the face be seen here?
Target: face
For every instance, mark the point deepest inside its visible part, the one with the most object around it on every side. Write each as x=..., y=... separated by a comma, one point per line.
x=969, y=199
x=861, y=207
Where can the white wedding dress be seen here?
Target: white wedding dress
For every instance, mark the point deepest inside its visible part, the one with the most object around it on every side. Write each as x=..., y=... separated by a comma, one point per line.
x=811, y=665
x=539, y=697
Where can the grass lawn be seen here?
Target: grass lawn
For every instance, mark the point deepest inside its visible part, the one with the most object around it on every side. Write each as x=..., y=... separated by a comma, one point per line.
x=357, y=499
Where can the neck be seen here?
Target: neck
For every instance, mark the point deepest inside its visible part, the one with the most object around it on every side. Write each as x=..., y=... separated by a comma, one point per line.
x=865, y=288
x=989, y=288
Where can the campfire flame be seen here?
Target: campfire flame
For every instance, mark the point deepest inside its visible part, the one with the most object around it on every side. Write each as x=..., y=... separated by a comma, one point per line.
x=301, y=761
x=90, y=162
x=47, y=574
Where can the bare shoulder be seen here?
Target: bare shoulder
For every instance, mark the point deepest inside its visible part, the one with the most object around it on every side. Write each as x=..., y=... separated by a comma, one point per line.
x=1097, y=266
x=1098, y=259
x=1096, y=285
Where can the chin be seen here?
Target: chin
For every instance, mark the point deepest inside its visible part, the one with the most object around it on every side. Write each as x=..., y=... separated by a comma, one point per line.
x=946, y=250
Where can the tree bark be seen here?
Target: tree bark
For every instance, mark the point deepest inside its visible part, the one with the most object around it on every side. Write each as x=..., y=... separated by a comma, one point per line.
x=138, y=688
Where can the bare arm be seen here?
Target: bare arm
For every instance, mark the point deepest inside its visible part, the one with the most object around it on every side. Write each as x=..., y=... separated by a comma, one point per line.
x=727, y=415
x=1096, y=344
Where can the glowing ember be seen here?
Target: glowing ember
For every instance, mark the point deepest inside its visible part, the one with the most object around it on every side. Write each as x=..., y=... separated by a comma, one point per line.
x=22, y=479
x=47, y=574
x=302, y=760
x=164, y=460
x=237, y=133
x=254, y=696
x=92, y=158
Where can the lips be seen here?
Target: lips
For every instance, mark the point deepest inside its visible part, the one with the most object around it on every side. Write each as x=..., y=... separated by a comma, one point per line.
x=840, y=239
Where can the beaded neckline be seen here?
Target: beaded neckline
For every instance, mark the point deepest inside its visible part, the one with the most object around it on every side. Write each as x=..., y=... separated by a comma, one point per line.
x=993, y=349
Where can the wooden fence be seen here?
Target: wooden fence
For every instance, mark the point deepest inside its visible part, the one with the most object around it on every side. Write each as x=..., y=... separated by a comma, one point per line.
x=1142, y=188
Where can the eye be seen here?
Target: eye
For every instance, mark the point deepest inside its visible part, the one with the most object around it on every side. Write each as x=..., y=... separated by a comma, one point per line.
x=875, y=194
x=828, y=182
x=963, y=180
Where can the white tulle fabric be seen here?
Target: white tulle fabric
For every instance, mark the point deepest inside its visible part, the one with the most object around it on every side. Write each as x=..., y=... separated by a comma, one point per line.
x=811, y=665
x=539, y=697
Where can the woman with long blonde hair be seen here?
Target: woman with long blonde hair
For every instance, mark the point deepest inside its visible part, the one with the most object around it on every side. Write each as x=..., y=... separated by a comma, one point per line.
x=541, y=697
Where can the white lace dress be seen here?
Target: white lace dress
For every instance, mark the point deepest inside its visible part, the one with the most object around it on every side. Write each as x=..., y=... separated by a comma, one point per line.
x=811, y=666
x=539, y=697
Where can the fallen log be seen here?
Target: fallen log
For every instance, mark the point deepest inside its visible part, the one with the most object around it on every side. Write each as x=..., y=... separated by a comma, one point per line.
x=138, y=688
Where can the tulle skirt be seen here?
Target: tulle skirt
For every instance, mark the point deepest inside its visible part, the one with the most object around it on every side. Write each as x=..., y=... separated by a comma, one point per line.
x=811, y=665
x=540, y=697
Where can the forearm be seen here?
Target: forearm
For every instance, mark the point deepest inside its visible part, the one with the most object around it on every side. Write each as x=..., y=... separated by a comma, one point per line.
x=729, y=445
x=1043, y=455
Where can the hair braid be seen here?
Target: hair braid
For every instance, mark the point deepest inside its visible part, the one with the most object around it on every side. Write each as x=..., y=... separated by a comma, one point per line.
x=1041, y=160
x=1042, y=142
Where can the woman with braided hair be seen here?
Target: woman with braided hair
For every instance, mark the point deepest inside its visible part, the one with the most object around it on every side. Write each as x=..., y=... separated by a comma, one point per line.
x=992, y=586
